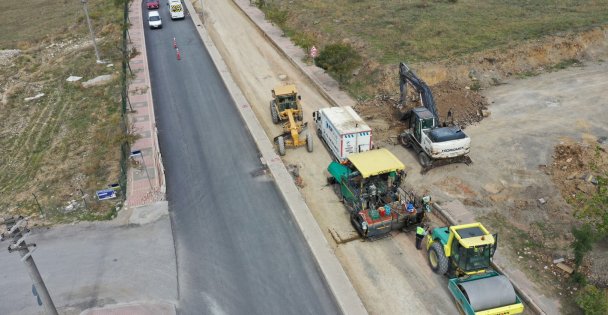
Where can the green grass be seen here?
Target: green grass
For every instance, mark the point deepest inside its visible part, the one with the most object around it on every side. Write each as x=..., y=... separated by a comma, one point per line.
x=398, y=30
x=70, y=138
x=416, y=31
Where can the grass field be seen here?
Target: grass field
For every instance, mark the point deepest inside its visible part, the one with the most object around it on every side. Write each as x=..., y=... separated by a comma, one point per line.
x=67, y=142
x=391, y=31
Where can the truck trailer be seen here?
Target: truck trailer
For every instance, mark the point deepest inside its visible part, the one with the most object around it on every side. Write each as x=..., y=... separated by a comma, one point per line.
x=343, y=131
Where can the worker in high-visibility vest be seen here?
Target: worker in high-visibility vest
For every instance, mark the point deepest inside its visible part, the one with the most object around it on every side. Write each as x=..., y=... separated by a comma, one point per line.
x=421, y=231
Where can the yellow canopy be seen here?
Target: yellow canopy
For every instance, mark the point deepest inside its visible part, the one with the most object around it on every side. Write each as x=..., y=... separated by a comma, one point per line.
x=375, y=162
x=285, y=89
x=472, y=234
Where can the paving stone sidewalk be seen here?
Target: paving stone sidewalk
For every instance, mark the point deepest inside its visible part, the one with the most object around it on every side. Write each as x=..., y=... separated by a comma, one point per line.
x=145, y=177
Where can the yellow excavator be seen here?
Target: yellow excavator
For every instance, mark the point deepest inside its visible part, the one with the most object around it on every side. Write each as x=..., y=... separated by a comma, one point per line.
x=286, y=106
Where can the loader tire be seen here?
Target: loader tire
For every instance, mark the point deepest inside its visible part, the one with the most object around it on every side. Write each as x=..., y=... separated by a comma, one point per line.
x=405, y=142
x=281, y=144
x=273, y=113
x=309, y=142
x=424, y=159
x=437, y=259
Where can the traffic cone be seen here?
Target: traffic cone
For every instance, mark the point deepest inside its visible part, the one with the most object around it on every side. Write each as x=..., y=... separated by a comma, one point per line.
x=179, y=57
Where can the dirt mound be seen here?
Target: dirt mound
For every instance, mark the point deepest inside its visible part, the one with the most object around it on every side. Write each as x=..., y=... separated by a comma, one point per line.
x=575, y=167
x=457, y=83
x=574, y=170
x=383, y=113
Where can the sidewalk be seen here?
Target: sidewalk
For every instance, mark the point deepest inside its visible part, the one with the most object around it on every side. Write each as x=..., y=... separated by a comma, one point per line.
x=146, y=181
x=94, y=264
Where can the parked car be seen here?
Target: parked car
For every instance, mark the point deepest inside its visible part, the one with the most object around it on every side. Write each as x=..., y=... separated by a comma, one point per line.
x=152, y=4
x=154, y=20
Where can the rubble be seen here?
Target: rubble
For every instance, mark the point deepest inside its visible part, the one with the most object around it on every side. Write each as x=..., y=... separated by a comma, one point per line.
x=37, y=96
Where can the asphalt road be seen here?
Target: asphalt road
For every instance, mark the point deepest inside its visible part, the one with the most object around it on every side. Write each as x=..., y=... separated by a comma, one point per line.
x=238, y=251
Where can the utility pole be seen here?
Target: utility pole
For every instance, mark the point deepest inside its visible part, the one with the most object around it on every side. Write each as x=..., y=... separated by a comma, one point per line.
x=17, y=230
x=86, y=13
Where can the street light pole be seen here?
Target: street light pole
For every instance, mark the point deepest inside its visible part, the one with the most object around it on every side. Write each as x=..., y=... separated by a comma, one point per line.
x=86, y=13
x=16, y=228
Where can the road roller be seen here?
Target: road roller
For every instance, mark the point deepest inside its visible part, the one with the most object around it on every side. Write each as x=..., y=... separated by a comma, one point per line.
x=463, y=253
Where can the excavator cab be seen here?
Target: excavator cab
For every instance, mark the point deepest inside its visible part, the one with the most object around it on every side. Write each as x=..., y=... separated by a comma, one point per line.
x=420, y=119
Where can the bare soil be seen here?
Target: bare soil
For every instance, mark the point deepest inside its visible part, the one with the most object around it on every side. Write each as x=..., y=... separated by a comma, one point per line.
x=457, y=84
x=574, y=170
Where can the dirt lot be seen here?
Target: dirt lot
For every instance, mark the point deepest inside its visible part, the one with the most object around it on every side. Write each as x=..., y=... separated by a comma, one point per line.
x=527, y=119
x=512, y=151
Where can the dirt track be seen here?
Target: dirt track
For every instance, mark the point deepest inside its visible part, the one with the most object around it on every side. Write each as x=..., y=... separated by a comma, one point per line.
x=528, y=118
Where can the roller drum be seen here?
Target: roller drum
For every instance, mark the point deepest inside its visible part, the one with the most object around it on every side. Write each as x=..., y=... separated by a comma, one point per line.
x=488, y=293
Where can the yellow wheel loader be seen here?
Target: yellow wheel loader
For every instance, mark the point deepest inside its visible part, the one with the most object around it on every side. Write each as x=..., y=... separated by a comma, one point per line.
x=286, y=106
x=463, y=253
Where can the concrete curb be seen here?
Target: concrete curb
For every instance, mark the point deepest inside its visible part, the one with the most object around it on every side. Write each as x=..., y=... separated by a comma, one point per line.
x=523, y=294
x=311, y=73
x=336, y=279
x=133, y=308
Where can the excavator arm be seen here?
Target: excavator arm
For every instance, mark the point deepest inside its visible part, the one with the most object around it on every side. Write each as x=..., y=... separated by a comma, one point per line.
x=407, y=76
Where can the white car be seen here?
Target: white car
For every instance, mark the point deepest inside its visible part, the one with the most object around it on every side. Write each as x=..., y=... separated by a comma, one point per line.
x=154, y=20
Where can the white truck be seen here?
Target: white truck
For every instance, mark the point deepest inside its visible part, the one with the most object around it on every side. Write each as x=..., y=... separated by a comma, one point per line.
x=176, y=9
x=343, y=131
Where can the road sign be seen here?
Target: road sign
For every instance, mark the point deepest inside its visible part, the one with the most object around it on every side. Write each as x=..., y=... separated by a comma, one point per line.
x=136, y=153
x=105, y=194
x=314, y=53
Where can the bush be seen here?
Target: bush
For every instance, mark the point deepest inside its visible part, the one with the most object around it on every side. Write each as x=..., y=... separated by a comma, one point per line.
x=339, y=60
x=275, y=15
x=592, y=301
x=583, y=242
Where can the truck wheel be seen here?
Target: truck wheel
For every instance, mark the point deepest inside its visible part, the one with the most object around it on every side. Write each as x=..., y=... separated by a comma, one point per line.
x=309, y=142
x=281, y=143
x=437, y=259
x=273, y=113
x=425, y=160
x=405, y=142
x=319, y=134
x=300, y=117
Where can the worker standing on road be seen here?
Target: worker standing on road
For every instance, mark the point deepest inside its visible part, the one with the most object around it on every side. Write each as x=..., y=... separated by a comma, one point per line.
x=421, y=231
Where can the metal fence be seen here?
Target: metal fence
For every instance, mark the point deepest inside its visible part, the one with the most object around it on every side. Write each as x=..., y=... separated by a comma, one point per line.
x=125, y=148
